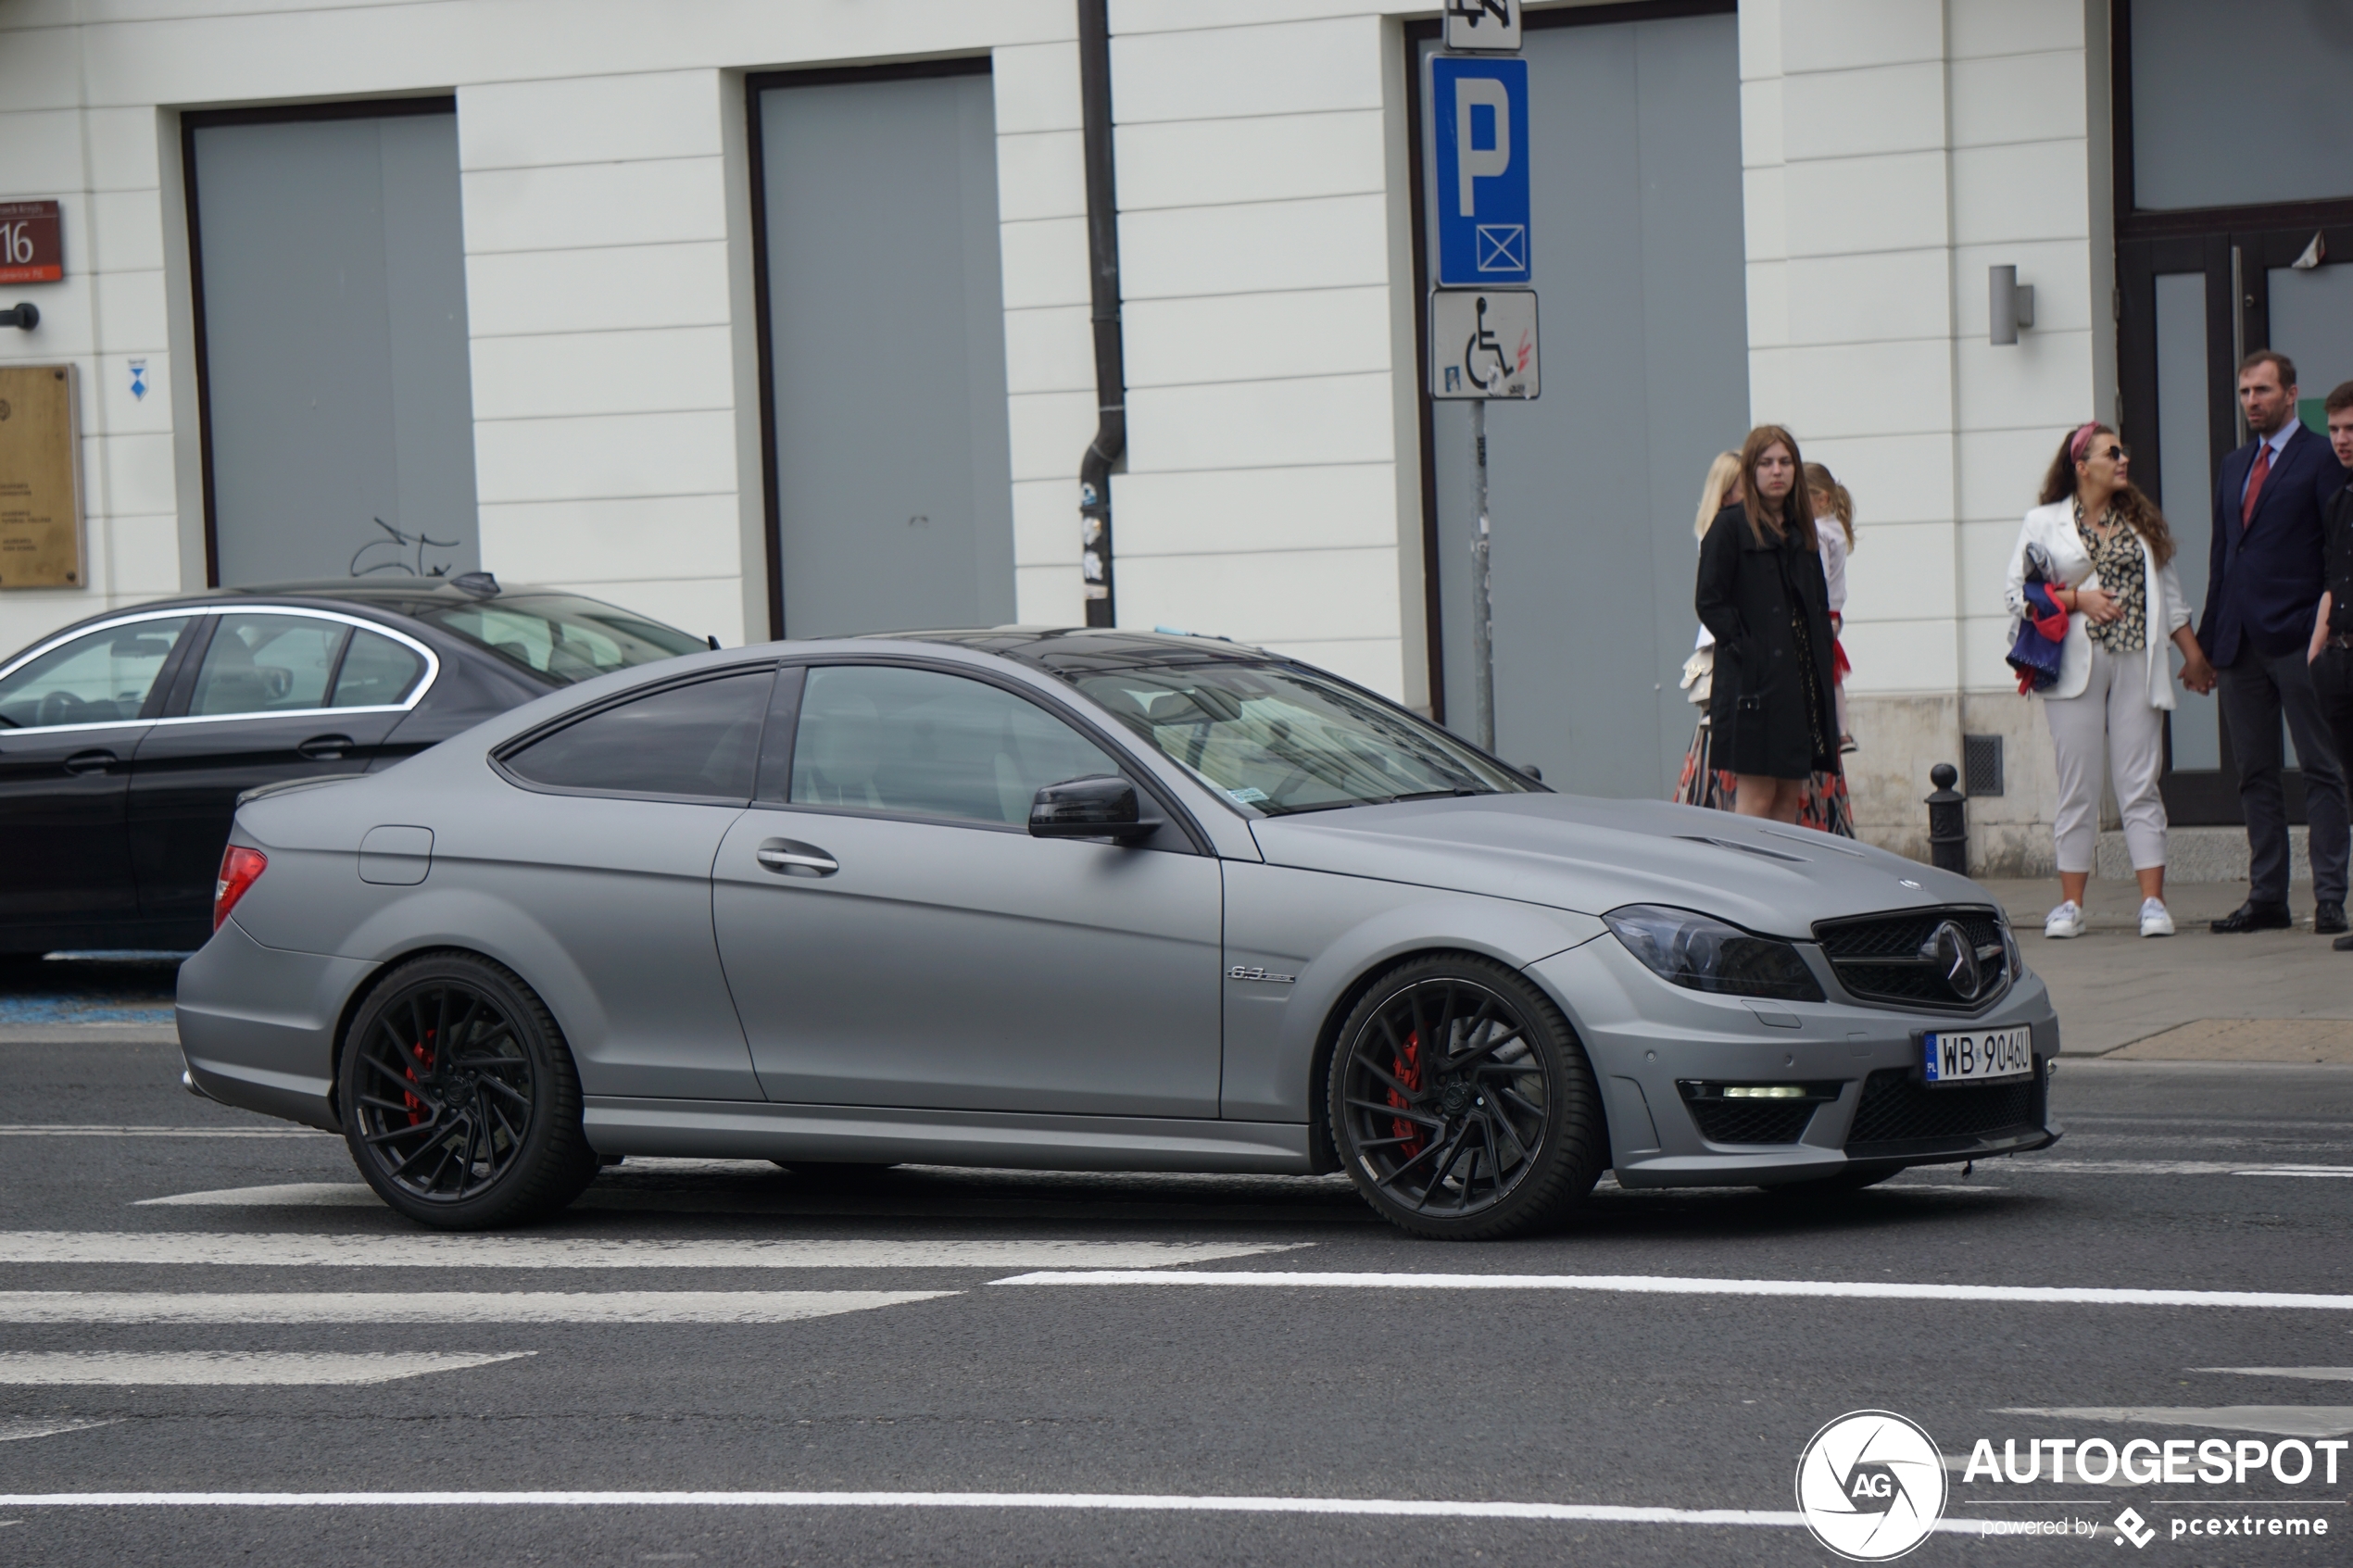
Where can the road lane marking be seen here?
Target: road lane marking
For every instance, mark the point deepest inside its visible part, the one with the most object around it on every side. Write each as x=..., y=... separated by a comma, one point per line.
x=2169, y=1168
x=225, y=1367
x=18, y=1428
x=2281, y=1421
x=419, y=1251
x=1123, y=1502
x=61, y=1130
x=444, y=1306
x=1656, y=1284
x=283, y=1194
x=2318, y=1373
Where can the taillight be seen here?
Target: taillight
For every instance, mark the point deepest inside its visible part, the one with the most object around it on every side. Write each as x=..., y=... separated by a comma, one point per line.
x=240, y=868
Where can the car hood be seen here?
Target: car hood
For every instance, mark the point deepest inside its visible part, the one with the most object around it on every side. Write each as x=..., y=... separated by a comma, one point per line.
x=1574, y=852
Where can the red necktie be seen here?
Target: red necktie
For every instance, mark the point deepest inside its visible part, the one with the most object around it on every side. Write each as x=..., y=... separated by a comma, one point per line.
x=2255, y=484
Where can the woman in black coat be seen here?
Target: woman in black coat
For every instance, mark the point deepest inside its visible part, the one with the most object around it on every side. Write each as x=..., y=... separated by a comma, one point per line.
x=1761, y=592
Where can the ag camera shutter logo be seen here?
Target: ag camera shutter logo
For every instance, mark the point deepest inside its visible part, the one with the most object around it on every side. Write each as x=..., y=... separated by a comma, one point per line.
x=1871, y=1485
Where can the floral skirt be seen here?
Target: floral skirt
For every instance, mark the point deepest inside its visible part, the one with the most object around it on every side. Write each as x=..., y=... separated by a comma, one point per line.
x=1823, y=806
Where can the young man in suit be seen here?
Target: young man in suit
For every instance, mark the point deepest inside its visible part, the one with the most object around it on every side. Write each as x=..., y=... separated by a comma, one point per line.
x=2263, y=587
x=2331, y=653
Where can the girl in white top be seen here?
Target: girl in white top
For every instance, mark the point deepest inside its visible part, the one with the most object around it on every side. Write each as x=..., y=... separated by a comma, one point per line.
x=1834, y=523
x=2109, y=558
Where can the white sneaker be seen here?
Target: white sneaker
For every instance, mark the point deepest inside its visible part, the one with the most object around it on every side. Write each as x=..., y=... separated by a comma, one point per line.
x=2155, y=920
x=2065, y=921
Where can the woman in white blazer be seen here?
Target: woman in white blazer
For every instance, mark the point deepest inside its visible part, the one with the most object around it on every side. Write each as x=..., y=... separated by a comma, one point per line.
x=2107, y=558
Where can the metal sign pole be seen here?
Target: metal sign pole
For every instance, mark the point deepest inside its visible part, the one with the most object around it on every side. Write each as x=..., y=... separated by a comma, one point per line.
x=1482, y=596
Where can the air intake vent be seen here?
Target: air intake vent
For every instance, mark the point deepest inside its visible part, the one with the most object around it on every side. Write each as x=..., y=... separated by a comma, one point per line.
x=1982, y=765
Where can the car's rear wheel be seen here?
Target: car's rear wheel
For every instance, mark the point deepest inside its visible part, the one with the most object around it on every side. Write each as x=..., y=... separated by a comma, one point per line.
x=460, y=1100
x=1461, y=1105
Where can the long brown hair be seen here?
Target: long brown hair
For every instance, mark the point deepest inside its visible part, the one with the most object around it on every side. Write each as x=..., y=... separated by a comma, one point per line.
x=1817, y=477
x=1797, y=506
x=2128, y=502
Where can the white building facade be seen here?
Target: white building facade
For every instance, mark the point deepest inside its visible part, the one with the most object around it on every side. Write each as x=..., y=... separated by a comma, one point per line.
x=668, y=297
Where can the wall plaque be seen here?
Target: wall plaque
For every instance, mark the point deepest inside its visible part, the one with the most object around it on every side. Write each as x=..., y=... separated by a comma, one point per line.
x=32, y=250
x=40, y=479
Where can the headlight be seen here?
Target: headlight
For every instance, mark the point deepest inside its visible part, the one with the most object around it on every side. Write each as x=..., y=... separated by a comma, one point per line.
x=1707, y=954
x=2016, y=960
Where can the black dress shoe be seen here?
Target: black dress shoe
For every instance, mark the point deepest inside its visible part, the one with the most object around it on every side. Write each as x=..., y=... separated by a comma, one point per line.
x=2252, y=916
x=2328, y=919
x=2343, y=944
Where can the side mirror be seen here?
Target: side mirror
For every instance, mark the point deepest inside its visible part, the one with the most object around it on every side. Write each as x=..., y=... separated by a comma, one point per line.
x=1103, y=806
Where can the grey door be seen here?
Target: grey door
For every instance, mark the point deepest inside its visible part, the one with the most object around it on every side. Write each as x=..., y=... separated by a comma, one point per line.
x=1639, y=261
x=892, y=467
x=948, y=959
x=338, y=406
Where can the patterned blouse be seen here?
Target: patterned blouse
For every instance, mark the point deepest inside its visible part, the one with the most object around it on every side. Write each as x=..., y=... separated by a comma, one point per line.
x=2117, y=560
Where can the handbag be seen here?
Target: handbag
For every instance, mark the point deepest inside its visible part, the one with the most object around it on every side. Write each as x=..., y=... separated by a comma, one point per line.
x=1699, y=676
x=2036, y=651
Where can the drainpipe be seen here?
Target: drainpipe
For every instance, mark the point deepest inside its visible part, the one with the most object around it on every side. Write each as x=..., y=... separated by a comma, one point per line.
x=1103, y=266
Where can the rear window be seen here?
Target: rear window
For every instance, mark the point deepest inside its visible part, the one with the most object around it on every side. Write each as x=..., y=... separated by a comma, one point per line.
x=697, y=742
x=563, y=637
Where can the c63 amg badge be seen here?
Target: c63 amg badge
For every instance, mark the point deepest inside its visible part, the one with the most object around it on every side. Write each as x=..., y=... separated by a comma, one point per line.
x=1252, y=972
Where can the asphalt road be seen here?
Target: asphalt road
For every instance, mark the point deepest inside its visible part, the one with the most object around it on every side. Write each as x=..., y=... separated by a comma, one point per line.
x=922, y=1373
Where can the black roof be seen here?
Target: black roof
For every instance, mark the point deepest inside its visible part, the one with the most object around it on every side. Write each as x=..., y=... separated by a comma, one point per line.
x=1068, y=651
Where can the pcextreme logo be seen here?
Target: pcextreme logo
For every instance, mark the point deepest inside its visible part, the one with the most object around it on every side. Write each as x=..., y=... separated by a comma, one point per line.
x=1870, y=1486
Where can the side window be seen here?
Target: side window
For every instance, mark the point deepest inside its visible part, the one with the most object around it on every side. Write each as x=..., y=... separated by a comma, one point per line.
x=927, y=745
x=699, y=742
x=265, y=663
x=377, y=672
x=103, y=678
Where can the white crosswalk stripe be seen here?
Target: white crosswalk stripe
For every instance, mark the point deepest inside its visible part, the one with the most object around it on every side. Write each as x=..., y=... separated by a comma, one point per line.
x=219, y=1368
x=443, y=1306
x=414, y=1251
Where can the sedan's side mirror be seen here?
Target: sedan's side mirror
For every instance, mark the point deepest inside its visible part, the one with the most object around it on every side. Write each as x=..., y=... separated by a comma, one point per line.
x=1103, y=806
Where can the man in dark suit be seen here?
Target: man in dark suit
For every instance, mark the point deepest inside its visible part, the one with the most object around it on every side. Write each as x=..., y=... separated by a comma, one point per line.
x=2263, y=588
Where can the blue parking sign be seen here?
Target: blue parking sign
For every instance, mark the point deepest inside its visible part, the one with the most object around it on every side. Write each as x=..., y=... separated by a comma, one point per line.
x=1480, y=108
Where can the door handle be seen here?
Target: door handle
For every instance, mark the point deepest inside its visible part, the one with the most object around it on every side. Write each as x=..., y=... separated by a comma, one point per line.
x=90, y=761
x=324, y=748
x=792, y=857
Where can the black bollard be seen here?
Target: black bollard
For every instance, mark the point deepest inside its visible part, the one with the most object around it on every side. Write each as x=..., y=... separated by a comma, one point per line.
x=1948, y=822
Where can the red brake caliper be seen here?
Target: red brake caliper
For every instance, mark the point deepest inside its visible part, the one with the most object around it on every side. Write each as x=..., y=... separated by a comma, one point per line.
x=1409, y=1073
x=419, y=1056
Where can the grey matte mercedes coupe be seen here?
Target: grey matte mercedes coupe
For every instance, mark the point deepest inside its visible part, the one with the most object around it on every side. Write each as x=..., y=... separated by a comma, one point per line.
x=1082, y=900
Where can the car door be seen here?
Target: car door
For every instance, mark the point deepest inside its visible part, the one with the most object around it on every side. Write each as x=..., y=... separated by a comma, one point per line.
x=71, y=716
x=895, y=937
x=274, y=694
x=602, y=850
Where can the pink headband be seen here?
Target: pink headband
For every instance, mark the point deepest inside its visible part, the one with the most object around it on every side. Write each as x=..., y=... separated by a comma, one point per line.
x=2080, y=442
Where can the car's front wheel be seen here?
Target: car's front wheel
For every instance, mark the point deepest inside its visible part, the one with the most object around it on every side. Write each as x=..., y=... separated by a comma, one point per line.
x=1462, y=1104
x=460, y=1100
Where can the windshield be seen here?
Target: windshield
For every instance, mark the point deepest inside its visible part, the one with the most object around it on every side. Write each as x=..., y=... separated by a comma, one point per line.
x=561, y=637
x=1283, y=740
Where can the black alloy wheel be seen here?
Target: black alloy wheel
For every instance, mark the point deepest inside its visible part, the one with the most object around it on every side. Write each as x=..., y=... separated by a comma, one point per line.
x=1461, y=1105
x=459, y=1101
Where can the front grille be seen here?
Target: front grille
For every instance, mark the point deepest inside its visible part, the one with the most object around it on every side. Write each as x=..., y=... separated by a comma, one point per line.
x=1895, y=1109
x=1885, y=958
x=1738, y=1121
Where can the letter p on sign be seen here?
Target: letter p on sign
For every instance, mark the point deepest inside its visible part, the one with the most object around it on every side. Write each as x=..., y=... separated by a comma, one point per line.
x=1480, y=163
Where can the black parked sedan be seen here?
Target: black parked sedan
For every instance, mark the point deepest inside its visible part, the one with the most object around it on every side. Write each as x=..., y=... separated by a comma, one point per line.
x=126, y=740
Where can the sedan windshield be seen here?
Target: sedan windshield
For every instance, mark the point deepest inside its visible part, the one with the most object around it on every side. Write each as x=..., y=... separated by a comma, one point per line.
x=561, y=637
x=1282, y=739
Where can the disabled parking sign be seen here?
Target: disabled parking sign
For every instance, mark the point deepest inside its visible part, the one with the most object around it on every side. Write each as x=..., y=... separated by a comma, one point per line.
x=1479, y=111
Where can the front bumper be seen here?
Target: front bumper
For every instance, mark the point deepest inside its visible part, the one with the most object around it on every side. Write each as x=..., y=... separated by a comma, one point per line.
x=1651, y=1042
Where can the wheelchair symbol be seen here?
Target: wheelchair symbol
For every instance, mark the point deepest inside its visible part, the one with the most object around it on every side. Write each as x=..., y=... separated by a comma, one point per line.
x=1483, y=349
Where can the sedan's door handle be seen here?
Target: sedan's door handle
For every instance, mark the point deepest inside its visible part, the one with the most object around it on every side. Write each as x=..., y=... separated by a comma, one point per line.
x=90, y=761
x=324, y=748
x=793, y=858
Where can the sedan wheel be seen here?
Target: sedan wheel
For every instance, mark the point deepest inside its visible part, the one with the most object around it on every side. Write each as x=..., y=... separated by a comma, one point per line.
x=459, y=1098
x=1461, y=1105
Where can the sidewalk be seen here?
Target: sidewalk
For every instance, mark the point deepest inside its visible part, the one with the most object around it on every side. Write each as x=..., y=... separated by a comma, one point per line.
x=2273, y=995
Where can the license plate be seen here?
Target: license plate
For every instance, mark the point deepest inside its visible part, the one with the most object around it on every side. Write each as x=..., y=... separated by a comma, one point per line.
x=1980, y=1057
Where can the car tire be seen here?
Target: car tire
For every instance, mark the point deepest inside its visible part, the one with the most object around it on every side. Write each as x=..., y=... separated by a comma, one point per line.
x=460, y=1103
x=1855, y=1178
x=1499, y=1136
